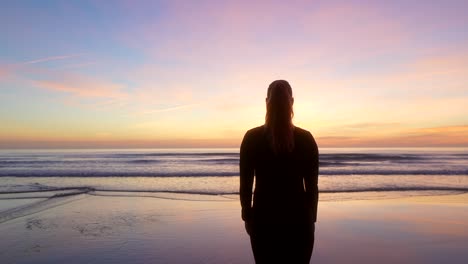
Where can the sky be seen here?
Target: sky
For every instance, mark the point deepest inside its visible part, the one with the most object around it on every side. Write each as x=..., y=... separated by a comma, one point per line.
x=158, y=74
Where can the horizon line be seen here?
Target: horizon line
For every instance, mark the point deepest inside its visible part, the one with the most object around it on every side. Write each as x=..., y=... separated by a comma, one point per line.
x=222, y=147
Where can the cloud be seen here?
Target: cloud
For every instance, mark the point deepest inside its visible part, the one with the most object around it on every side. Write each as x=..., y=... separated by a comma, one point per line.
x=439, y=137
x=167, y=109
x=52, y=58
x=22, y=67
x=368, y=125
x=446, y=136
x=4, y=71
x=79, y=65
x=411, y=86
x=83, y=86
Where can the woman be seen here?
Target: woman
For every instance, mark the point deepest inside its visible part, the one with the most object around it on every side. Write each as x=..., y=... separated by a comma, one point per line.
x=283, y=159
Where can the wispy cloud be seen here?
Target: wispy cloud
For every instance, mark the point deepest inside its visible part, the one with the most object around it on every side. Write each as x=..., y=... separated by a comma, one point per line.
x=79, y=65
x=167, y=109
x=3, y=71
x=52, y=58
x=454, y=136
x=447, y=136
x=16, y=68
x=83, y=86
x=368, y=125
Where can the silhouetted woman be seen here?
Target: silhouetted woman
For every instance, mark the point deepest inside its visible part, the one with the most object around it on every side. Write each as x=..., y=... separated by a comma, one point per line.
x=283, y=159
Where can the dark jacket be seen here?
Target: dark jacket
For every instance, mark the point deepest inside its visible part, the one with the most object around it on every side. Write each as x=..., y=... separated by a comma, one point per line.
x=285, y=184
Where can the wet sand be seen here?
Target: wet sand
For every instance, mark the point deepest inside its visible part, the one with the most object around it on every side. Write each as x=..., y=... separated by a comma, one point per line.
x=87, y=228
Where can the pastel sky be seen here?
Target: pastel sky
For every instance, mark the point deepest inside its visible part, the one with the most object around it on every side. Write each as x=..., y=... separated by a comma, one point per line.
x=195, y=73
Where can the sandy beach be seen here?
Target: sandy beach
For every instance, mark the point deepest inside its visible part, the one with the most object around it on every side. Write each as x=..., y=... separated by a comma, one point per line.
x=108, y=228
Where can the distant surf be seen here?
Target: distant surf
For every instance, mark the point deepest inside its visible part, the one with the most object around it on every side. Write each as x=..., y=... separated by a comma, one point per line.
x=215, y=171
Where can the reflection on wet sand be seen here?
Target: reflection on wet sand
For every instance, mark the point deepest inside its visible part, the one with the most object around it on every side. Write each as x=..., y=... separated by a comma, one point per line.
x=111, y=229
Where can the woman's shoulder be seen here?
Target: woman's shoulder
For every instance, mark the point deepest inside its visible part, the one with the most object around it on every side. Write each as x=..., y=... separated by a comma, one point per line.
x=256, y=131
x=301, y=131
x=303, y=135
x=252, y=137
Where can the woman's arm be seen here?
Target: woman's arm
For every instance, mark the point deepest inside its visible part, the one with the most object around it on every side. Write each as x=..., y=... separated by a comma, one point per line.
x=246, y=177
x=311, y=177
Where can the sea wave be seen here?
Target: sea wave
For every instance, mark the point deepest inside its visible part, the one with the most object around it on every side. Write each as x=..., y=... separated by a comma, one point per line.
x=67, y=191
x=44, y=197
x=215, y=173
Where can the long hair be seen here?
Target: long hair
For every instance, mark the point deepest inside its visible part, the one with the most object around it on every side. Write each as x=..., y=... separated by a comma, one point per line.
x=279, y=114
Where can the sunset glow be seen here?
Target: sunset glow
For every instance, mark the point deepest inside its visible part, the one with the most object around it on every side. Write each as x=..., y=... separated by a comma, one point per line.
x=195, y=73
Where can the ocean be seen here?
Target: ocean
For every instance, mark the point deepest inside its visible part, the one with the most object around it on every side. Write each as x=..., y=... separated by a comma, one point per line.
x=345, y=173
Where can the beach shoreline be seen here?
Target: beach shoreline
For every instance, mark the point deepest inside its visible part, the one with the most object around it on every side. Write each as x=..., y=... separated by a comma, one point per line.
x=91, y=228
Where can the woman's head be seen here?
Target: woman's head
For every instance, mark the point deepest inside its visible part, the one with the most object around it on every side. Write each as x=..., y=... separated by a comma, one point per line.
x=278, y=119
x=281, y=88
